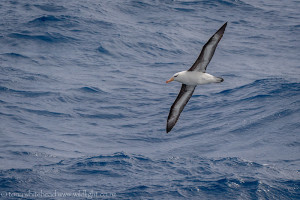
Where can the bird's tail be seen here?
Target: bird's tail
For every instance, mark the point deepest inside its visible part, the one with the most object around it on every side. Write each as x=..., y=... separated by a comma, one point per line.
x=219, y=79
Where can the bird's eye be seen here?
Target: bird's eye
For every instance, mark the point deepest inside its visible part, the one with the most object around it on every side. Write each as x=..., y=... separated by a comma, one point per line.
x=176, y=75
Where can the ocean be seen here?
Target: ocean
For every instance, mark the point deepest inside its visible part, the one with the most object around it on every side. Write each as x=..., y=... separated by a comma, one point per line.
x=84, y=103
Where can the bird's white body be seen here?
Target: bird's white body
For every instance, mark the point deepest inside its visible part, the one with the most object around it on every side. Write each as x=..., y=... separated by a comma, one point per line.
x=195, y=78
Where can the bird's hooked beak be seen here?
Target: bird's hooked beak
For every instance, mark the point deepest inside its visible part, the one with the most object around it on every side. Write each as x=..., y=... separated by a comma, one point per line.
x=170, y=80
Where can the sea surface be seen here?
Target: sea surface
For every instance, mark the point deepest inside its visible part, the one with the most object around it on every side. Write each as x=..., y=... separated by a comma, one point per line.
x=84, y=103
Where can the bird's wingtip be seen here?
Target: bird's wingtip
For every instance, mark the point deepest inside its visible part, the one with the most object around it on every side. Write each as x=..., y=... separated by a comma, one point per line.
x=169, y=127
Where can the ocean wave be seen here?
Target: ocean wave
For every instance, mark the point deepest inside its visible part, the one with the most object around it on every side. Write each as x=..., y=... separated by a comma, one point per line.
x=51, y=7
x=25, y=93
x=264, y=88
x=49, y=18
x=91, y=90
x=46, y=113
x=47, y=37
x=107, y=116
x=175, y=177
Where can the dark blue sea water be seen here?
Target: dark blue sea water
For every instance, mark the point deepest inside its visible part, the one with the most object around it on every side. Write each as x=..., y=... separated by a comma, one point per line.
x=84, y=104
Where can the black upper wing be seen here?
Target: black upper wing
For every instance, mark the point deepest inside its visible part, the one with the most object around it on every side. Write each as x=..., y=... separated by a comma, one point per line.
x=208, y=51
x=183, y=97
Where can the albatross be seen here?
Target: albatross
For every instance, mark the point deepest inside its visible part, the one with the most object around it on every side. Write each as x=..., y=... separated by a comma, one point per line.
x=196, y=75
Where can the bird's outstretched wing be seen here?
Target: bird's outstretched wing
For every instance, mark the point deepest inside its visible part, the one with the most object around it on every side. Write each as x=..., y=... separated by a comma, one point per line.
x=208, y=51
x=183, y=97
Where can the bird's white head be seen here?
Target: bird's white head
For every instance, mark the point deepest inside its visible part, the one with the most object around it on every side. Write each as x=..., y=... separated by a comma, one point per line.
x=173, y=78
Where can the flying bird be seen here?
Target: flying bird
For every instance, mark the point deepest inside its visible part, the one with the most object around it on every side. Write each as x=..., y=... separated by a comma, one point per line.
x=196, y=75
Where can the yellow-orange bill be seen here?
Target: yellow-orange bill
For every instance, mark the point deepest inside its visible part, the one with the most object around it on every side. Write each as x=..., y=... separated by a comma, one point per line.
x=170, y=80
